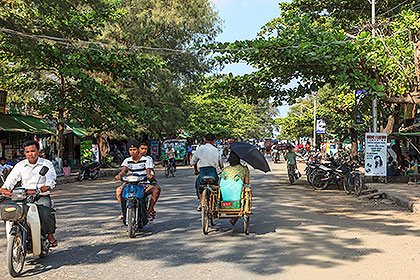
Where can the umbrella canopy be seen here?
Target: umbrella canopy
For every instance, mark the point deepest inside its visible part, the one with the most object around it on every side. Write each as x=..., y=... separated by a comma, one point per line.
x=251, y=155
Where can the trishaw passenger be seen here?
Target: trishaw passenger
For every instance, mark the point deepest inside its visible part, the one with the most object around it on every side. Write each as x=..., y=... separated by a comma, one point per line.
x=206, y=160
x=141, y=165
x=235, y=168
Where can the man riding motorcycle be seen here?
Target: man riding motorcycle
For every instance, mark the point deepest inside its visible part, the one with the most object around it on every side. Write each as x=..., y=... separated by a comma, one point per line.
x=27, y=172
x=206, y=160
x=141, y=165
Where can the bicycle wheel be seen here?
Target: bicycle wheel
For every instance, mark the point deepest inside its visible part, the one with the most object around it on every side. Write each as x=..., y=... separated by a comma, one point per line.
x=358, y=184
x=167, y=171
x=204, y=213
x=348, y=185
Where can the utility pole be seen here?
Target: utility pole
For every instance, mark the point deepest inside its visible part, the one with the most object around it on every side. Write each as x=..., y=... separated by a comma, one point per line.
x=374, y=102
x=314, y=143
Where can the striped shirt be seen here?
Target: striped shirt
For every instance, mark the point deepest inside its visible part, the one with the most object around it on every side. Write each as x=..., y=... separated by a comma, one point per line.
x=138, y=168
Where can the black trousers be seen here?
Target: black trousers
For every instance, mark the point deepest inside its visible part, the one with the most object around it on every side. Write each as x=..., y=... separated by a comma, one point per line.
x=47, y=217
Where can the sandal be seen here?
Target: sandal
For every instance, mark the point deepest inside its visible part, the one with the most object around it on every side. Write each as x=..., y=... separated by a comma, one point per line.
x=54, y=243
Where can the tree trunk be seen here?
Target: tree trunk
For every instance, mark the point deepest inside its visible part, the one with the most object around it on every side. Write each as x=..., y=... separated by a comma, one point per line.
x=397, y=149
x=103, y=144
x=389, y=125
x=354, y=146
x=60, y=125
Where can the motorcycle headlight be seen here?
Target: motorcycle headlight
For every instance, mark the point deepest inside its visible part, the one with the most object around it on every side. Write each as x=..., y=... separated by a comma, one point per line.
x=18, y=194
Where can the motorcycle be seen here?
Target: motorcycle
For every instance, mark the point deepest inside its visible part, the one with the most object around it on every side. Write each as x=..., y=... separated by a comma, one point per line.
x=90, y=169
x=134, y=203
x=23, y=227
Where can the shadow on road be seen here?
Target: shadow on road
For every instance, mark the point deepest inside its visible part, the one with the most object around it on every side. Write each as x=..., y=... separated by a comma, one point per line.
x=291, y=225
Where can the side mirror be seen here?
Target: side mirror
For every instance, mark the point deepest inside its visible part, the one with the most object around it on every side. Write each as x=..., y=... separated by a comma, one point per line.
x=43, y=171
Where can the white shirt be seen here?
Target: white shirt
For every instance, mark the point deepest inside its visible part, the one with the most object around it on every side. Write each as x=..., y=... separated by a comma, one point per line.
x=207, y=155
x=29, y=175
x=138, y=168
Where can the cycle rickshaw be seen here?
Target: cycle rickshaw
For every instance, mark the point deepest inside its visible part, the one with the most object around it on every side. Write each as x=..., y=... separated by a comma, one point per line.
x=230, y=199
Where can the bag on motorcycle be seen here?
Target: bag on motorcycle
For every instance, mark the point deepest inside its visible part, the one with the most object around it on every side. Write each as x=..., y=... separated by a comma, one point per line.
x=11, y=211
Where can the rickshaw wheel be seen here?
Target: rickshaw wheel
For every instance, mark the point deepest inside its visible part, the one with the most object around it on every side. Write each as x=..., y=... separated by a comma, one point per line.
x=212, y=222
x=204, y=214
x=246, y=224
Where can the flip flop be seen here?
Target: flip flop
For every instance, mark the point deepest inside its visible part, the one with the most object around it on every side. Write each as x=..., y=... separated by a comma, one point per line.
x=54, y=243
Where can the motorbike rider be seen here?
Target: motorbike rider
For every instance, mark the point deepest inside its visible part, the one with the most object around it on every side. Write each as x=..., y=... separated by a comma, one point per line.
x=206, y=160
x=27, y=172
x=4, y=167
x=140, y=164
x=170, y=155
x=290, y=157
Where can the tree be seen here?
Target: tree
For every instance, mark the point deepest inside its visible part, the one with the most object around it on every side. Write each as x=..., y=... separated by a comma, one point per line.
x=315, y=48
x=70, y=79
x=226, y=116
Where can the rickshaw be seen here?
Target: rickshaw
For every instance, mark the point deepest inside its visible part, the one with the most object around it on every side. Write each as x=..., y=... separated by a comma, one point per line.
x=231, y=198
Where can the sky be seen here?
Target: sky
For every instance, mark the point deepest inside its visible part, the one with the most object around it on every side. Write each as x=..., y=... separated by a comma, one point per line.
x=243, y=19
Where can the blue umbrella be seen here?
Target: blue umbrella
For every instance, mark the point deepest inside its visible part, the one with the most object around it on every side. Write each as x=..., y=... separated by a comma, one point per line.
x=251, y=155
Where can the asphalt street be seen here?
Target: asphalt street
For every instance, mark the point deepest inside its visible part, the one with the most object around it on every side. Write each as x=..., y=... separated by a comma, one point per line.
x=296, y=233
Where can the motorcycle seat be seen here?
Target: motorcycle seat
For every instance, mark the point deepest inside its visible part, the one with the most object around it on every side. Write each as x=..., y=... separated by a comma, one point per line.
x=208, y=180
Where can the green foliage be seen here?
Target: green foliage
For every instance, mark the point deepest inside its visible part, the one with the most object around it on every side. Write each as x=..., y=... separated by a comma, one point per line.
x=225, y=115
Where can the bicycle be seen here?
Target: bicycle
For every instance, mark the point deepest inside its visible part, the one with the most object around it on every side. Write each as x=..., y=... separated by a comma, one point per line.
x=170, y=169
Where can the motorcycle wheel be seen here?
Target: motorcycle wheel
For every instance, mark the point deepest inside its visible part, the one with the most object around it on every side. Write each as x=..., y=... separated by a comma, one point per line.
x=81, y=175
x=15, y=254
x=204, y=214
x=45, y=248
x=318, y=184
x=131, y=216
x=246, y=224
x=95, y=174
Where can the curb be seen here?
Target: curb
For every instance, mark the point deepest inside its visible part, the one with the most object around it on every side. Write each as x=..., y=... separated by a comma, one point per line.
x=71, y=179
x=402, y=201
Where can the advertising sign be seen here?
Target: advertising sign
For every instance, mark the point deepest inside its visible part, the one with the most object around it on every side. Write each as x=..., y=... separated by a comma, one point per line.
x=154, y=149
x=320, y=126
x=95, y=152
x=375, y=154
x=86, y=149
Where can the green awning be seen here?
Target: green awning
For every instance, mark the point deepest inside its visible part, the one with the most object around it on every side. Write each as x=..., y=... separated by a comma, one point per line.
x=17, y=123
x=34, y=125
x=78, y=130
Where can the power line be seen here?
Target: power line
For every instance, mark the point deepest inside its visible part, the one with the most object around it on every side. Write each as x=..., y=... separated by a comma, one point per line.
x=394, y=8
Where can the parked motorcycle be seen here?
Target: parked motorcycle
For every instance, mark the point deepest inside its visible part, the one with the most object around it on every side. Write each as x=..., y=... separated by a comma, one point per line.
x=23, y=227
x=90, y=169
x=134, y=203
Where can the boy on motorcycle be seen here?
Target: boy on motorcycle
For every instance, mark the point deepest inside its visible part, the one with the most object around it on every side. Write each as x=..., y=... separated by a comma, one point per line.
x=27, y=172
x=140, y=164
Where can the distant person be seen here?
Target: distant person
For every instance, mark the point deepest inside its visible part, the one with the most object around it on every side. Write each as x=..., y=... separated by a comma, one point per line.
x=206, y=160
x=4, y=167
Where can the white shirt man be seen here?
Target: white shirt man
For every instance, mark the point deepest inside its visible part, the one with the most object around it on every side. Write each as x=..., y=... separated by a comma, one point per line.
x=207, y=155
x=28, y=174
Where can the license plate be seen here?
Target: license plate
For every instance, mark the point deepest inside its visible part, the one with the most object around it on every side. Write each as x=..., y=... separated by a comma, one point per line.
x=227, y=204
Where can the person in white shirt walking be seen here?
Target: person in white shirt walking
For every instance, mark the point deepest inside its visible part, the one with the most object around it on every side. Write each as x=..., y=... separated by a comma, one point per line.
x=27, y=172
x=206, y=160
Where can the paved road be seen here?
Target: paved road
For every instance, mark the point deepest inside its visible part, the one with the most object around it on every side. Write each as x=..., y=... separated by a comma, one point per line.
x=296, y=233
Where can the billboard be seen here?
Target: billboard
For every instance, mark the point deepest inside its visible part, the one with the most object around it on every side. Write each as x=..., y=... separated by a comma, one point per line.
x=320, y=126
x=376, y=154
